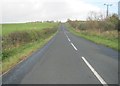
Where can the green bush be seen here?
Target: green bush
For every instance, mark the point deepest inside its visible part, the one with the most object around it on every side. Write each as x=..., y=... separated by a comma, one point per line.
x=17, y=39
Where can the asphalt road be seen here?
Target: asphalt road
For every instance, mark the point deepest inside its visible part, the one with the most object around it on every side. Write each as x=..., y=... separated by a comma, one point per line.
x=67, y=59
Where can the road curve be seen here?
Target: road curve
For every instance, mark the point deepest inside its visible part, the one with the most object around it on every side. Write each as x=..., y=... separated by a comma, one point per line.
x=67, y=59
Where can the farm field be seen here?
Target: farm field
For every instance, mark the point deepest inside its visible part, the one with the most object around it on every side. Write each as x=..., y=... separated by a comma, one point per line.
x=8, y=28
x=19, y=41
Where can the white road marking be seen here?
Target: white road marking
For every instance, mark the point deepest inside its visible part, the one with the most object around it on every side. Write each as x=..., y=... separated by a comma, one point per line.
x=4, y=73
x=74, y=46
x=12, y=67
x=67, y=37
x=88, y=64
x=95, y=73
x=69, y=40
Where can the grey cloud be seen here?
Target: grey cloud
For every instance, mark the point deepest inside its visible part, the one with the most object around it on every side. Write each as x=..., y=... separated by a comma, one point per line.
x=40, y=10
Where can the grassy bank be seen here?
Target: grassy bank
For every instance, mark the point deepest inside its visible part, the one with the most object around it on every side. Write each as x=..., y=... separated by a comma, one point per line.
x=22, y=52
x=20, y=44
x=105, y=38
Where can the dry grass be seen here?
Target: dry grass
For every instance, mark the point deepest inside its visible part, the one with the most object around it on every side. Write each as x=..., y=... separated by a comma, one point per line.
x=107, y=38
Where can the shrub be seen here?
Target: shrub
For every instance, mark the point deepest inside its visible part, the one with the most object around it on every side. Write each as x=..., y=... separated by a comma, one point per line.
x=16, y=39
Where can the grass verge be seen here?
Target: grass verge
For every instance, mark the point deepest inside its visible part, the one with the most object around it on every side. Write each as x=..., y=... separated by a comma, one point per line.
x=22, y=52
x=96, y=38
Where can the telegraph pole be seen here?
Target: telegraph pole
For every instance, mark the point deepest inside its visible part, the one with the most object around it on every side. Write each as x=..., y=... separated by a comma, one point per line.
x=119, y=9
x=107, y=11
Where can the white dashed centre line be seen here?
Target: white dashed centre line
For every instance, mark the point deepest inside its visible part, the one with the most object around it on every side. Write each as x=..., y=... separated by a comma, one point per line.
x=67, y=37
x=88, y=64
x=69, y=40
x=95, y=73
x=74, y=46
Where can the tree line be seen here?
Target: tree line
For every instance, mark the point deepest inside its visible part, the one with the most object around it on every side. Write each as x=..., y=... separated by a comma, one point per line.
x=96, y=21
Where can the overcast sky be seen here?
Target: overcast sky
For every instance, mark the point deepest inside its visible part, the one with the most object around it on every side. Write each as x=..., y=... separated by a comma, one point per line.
x=42, y=10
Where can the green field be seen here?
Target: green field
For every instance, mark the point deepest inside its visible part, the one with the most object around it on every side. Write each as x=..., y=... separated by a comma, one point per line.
x=21, y=40
x=8, y=28
x=0, y=29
